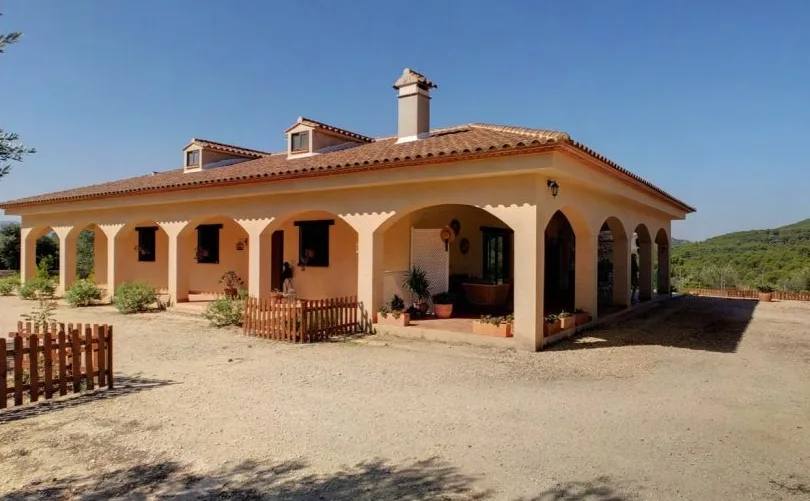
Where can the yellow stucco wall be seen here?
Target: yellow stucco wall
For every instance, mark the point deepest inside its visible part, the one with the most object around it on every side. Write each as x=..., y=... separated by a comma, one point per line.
x=204, y=277
x=127, y=266
x=337, y=279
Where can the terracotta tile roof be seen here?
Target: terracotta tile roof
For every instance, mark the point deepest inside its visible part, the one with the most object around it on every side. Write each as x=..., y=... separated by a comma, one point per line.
x=228, y=148
x=331, y=128
x=445, y=145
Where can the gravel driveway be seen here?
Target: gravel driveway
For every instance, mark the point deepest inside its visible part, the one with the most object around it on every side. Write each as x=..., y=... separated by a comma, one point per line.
x=699, y=399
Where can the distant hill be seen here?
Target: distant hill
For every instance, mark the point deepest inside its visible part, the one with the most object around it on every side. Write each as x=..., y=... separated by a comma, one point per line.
x=778, y=256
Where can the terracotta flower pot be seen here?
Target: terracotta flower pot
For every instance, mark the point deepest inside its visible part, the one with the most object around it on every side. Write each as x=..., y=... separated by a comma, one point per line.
x=231, y=292
x=485, y=329
x=766, y=297
x=423, y=307
x=443, y=310
x=403, y=320
x=568, y=322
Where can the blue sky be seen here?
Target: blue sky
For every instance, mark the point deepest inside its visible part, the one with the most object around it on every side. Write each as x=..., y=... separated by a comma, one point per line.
x=708, y=99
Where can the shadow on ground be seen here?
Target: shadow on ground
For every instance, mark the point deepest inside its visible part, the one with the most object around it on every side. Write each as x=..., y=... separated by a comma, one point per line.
x=695, y=323
x=372, y=480
x=124, y=385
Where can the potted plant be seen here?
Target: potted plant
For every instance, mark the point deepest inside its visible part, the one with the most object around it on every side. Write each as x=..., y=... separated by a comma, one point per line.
x=443, y=304
x=494, y=326
x=277, y=295
x=552, y=325
x=232, y=283
x=394, y=313
x=765, y=293
x=416, y=282
x=582, y=316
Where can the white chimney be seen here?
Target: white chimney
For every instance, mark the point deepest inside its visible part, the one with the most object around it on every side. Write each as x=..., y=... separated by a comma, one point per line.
x=414, y=106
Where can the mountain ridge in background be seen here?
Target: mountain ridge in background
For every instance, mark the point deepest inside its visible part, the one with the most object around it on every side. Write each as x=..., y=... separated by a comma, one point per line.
x=776, y=256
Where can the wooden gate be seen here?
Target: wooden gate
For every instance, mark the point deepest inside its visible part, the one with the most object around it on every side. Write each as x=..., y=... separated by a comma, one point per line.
x=301, y=321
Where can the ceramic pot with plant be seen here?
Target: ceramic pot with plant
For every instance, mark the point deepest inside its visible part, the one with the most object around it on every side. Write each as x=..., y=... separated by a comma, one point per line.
x=232, y=282
x=417, y=283
x=277, y=295
x=765, y=293
x=581, y=316
x=443, y=304
x=567, y=320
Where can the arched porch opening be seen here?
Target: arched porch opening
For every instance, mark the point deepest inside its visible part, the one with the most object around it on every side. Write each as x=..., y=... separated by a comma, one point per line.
x=476, y=267
x=87, y=254
x=662, y=271
x=312, y=255
x=613, y=267
x=141, y=254
x=45, y=243
x=560, y=265
x=642, y=265
x=212, y=256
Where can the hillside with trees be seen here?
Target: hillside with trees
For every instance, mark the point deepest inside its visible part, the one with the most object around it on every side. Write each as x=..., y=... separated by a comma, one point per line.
x=779, y=257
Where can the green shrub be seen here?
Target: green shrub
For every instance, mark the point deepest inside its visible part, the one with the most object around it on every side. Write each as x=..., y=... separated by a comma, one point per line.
x=224, y=312
x=133, y=297
x=83, y=293
x=9, y=284
x=34, y=287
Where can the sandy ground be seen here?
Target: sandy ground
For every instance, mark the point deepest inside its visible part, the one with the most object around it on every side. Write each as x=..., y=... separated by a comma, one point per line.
x=699, y=399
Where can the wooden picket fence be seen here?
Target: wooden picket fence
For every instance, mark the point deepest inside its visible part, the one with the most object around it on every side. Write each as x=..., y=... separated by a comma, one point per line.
x=54, y=361
x=748, y=294
x=301, y=321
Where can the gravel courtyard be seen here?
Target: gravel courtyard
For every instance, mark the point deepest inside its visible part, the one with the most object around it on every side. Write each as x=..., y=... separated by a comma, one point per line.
x=699, y=399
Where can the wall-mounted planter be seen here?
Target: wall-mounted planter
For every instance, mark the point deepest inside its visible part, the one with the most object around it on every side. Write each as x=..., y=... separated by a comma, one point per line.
x=485, y=329
x=403, y=320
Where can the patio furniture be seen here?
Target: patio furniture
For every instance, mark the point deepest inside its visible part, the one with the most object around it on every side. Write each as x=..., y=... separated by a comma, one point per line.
x=486, y=294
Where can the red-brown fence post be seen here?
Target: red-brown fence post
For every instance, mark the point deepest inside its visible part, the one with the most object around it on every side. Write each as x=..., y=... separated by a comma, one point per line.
x=18, y=370
x=88, y=360
x=76, y=356
x=47, y=343
x=33, y=367
x=101, y=333
x=3, y=374
x=62, y=353
x=110, y=357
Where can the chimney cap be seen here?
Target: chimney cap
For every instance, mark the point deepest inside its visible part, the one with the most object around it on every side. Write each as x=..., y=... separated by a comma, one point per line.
x=410, y=77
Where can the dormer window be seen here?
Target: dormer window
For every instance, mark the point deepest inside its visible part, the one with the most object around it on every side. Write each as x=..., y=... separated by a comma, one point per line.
x=193, y=158
x=299, y=142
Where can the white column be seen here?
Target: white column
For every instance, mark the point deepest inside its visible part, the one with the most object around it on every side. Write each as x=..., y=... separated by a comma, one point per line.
x=179, y=260
x=369, y=273
x=111, y=231
x=28, y=254
x=67, y=258
x=528, y=223
x=586, y=272
x=370, y=261
x=259, y=247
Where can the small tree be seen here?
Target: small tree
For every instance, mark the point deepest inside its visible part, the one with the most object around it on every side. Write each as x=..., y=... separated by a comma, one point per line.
x=10, y=148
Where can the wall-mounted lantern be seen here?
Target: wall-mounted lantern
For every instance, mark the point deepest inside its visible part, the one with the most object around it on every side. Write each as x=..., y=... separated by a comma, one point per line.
x=553, y=187
x=240, y=244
